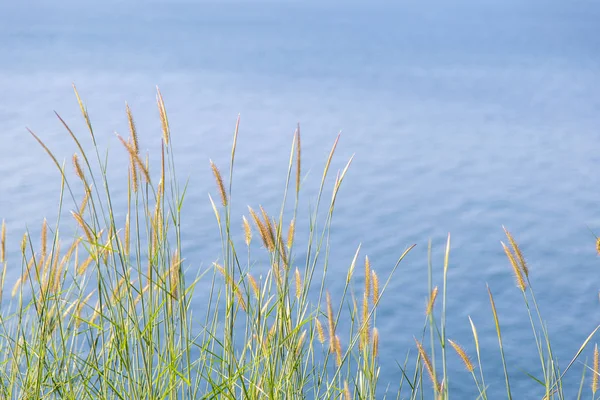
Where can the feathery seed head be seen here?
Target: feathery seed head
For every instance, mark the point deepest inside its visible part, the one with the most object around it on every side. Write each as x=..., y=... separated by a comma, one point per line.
x=462, y=354
x=220, y=184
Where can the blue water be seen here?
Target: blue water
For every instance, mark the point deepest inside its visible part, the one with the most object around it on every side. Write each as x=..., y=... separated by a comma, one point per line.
x=464, y=116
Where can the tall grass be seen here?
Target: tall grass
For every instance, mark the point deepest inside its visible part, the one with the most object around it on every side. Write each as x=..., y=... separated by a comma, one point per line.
x=106, y=310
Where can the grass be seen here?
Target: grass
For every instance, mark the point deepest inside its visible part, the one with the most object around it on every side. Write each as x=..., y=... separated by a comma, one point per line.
x=105, y=312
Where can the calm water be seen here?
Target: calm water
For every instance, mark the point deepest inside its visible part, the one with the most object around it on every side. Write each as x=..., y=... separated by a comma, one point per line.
x=463, y=115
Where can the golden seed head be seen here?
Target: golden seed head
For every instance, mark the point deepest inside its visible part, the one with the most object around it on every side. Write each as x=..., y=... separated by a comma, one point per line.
x=290, y=235
x=269, y=229
x=253, y=285
x=135, y=157
x=346, y=391
x=163, y=117
x=598, y=245
x=84, y=265
x=262, y=230
x=23, y=244
x=517, y=271
x=320, y=333
x=431, y=301
x=78, y=170
x=220, y=184
x=239, y=295
x=375, y=280
x=338, y=351
x=518, y=253
x=462, y=354
x=132, y=130
x=331, y=322
x=298, y=283
x=247, y=231
x=44, y=238
x=428, y=365
x=220, y=269
x=365, y=321
x=301, y=342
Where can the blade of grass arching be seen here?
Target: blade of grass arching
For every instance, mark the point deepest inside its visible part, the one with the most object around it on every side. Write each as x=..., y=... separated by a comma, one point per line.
x=313, y=219
x=36, y=137
x=498, y=333
x=580, y=391
x=443, y=341
x=476, y=339
x=581, y=348
x=404, y=377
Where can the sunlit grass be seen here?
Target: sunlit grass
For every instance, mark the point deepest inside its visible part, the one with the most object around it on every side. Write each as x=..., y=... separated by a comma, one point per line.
x=105, y=310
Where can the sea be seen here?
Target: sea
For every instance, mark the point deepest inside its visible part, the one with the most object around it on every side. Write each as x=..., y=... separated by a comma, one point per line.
x=462, y=117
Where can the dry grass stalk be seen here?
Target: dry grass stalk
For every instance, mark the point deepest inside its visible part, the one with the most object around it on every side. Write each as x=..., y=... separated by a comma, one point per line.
x=596, y=370
x=517, y=271
x=431, y=302
x=220, y=184
x=247, y=231
x=598, y=245
x=462, y=354
x=518, y=253
x=375, y=281
x=428, y=366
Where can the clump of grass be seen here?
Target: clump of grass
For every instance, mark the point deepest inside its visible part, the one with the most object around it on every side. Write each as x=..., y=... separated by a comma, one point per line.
x=107, y=311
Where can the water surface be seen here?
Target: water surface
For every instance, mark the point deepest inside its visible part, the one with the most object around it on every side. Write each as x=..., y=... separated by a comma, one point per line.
x=464, y=116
